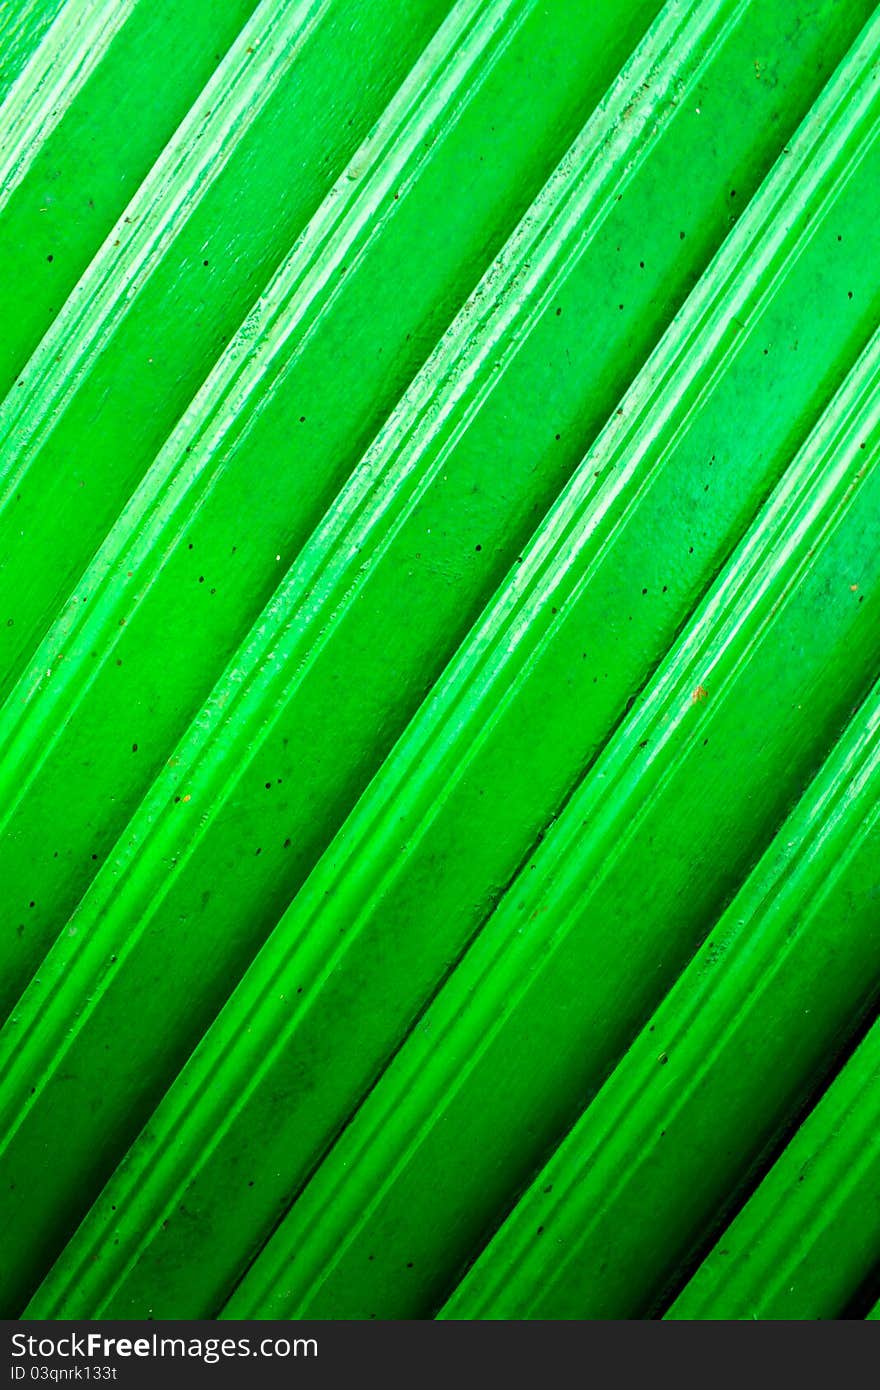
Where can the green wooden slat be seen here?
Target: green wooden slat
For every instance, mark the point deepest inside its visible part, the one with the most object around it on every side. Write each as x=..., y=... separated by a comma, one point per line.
x=65, y=174
x=438, y=547
x=143, y=325
x=715, y=1076
x=368, y=889
x=227, y=957
x=809, y=1237
x=583, y=943
x=209, y=534
x=23, y=28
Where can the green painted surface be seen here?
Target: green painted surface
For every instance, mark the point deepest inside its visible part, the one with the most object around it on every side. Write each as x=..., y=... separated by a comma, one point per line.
x=809, y=1235
x=729, y=1058
x=439, y=554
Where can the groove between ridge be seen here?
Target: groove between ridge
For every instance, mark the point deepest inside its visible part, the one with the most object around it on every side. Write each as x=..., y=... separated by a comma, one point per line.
x=327, y=574
x=614, y=1151
x=328, y=540
x=256, y=363
x=253, y=1030
x=205, y=141
x=476, y=1003
x=56, y=73
x=807, y=1238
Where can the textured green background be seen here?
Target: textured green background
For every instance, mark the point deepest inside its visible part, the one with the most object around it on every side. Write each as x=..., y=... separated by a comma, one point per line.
x=439, y=730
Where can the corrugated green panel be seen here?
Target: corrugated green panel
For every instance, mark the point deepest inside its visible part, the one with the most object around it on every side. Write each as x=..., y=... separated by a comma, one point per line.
x=439, y=547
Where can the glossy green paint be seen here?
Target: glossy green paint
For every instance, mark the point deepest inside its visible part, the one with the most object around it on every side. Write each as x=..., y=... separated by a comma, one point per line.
x=587, y=937
x=438, y=532
x=807, y=1241
x=731, y=1055
x=23, y=26
x=65, y=174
